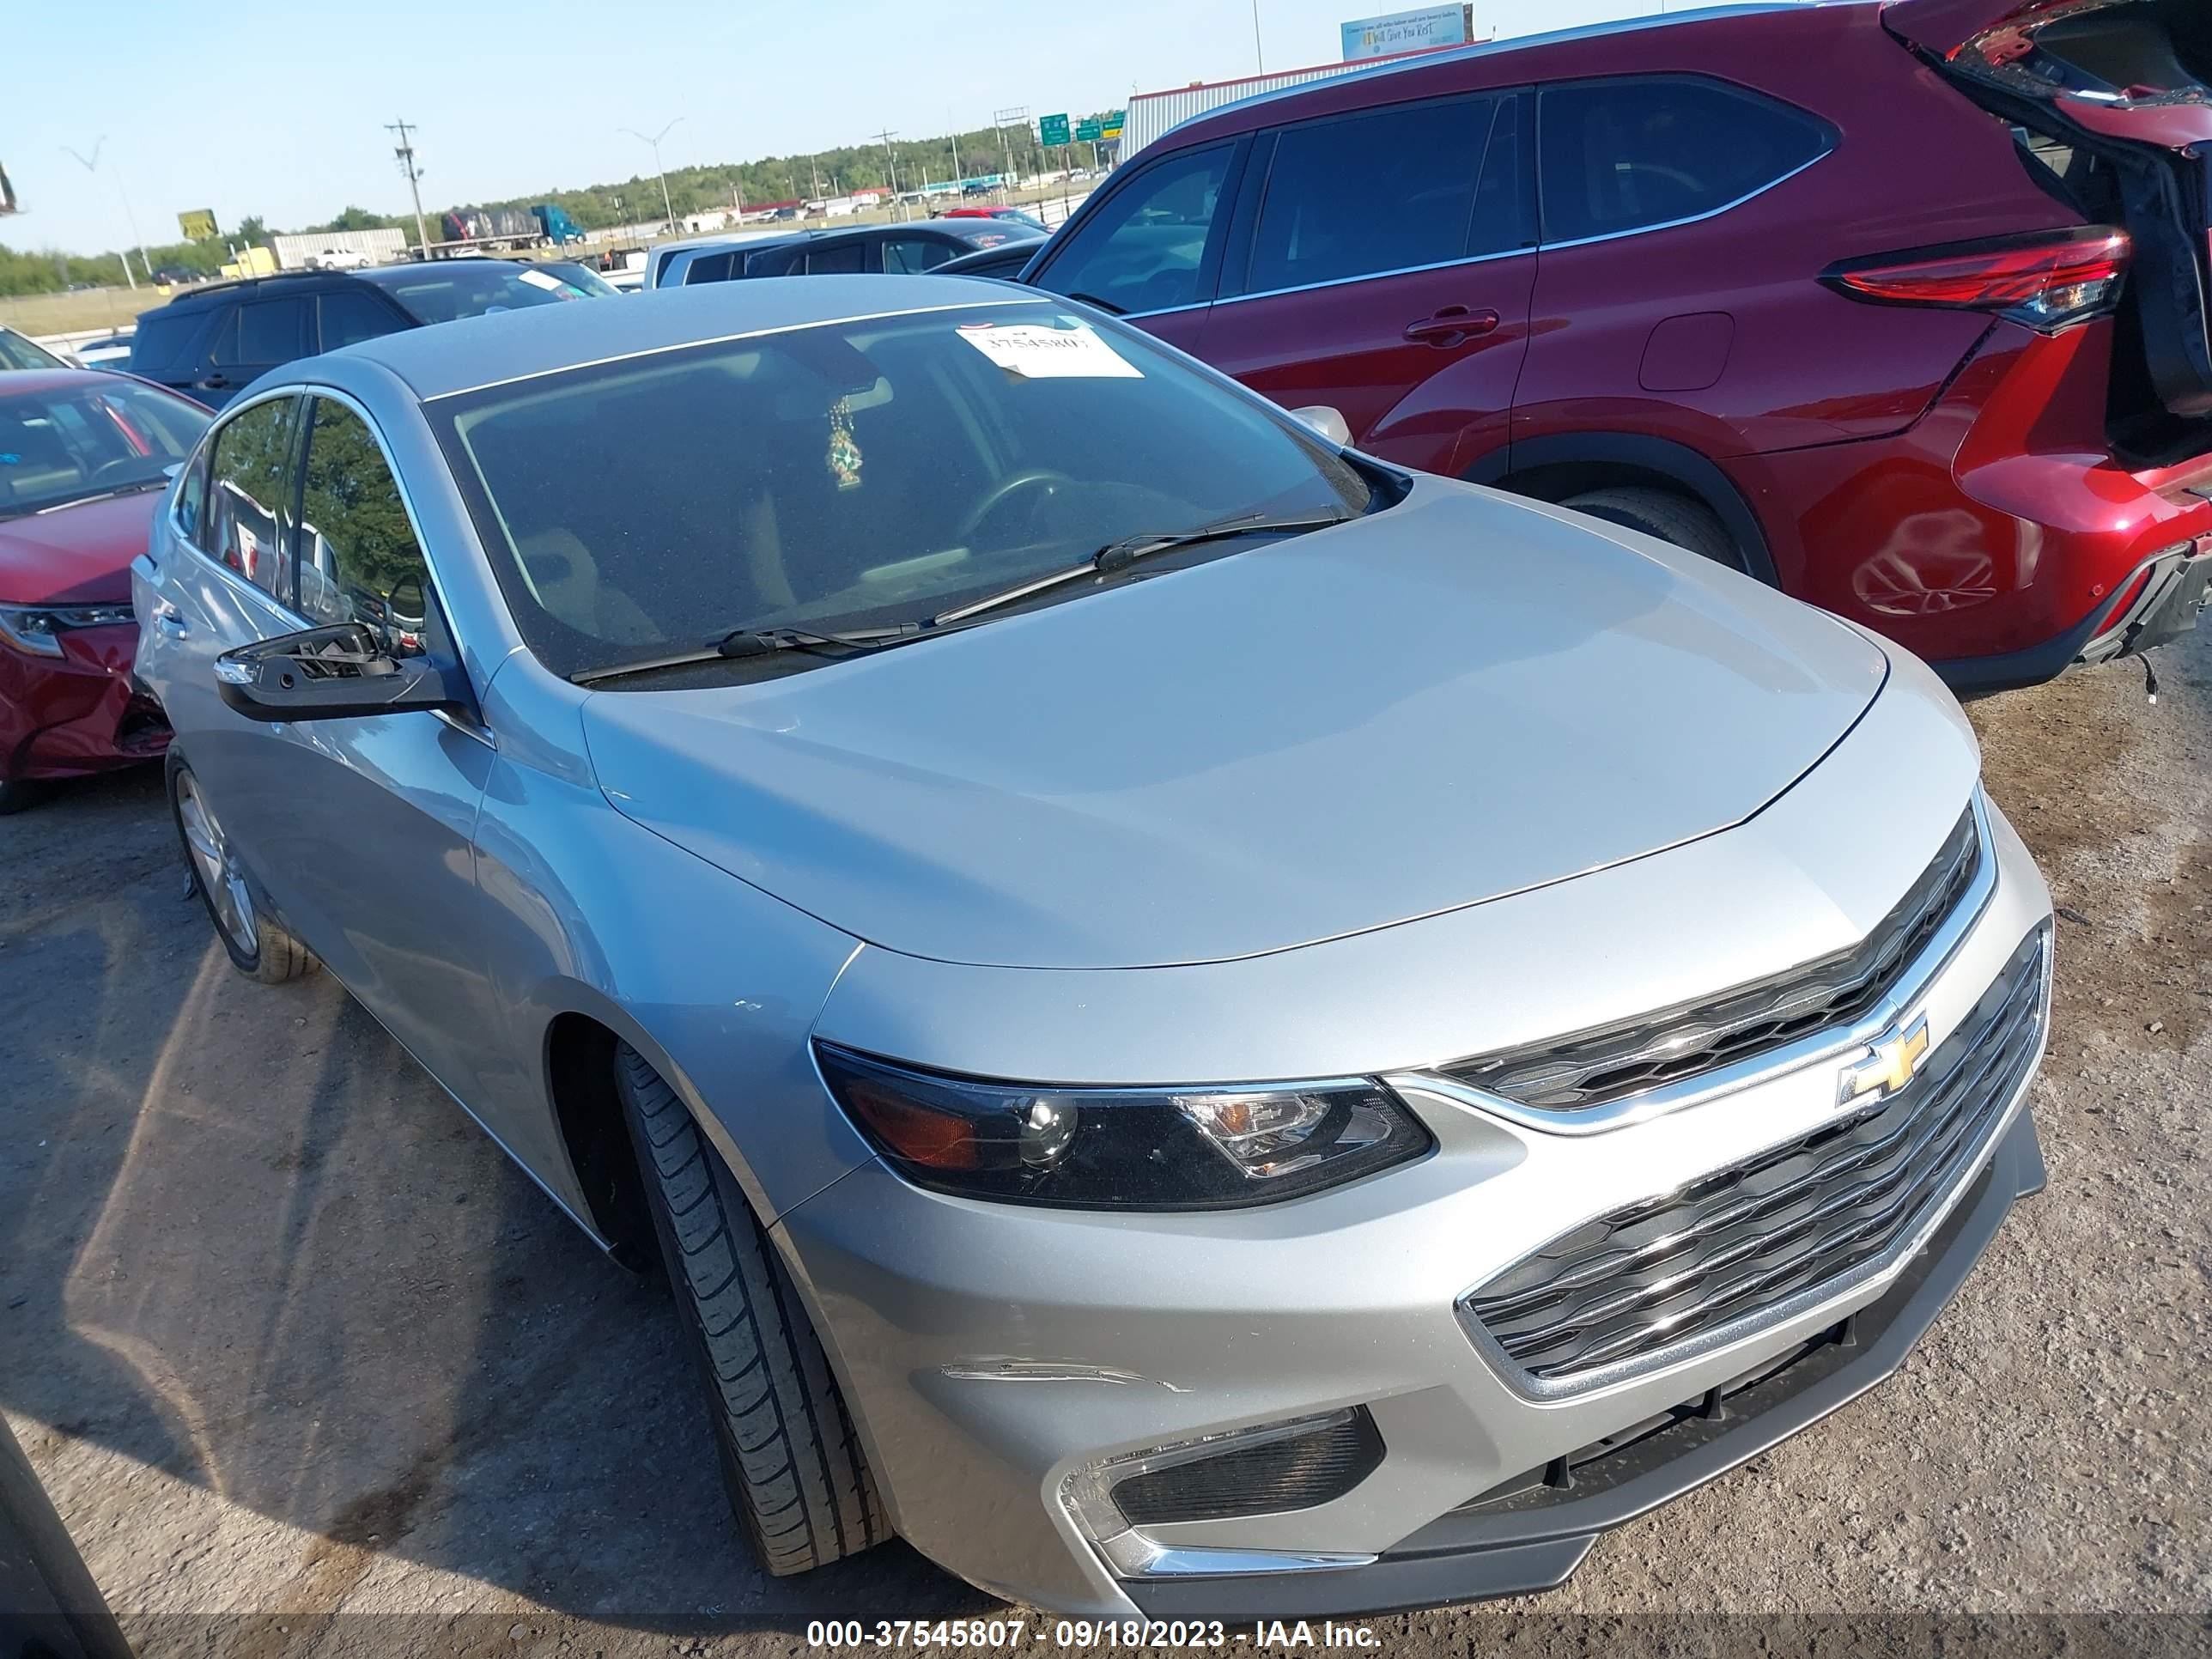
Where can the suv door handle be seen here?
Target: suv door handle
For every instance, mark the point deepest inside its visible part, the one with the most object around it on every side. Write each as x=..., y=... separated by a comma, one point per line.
x=170, y=620
x=213, y=383
x=1451, y=326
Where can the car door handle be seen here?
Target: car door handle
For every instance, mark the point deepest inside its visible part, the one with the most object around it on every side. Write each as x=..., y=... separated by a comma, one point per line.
x=1451, y=325
x=170, y=620
x=213, y=383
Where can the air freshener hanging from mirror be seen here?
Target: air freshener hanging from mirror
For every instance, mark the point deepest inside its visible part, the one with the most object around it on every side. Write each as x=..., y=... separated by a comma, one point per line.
x=844, y=455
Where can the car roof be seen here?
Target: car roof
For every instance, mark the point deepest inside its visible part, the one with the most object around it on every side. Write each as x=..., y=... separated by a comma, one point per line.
x=54, y=379
x=1229, y=117
x=512, y=345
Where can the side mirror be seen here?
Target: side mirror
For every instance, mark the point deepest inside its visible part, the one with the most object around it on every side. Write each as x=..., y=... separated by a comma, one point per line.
x=339, y=673
x=1329, y=422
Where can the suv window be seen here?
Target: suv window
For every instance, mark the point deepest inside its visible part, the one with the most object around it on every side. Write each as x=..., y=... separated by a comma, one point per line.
x=266, y=333
x=1320, y=221
x=911, y=254
x=349, y=314
x=161, y=349
x=359, y=561
x=709, y=268
x=839, y=258
x=1141, y=251
x=249, y=504
x=1626, y=154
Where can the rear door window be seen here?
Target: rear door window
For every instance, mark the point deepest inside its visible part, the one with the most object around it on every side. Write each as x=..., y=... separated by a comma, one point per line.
x=1387, y=190
x=1145, y=249
x=1630, y=154
x=265, y=332
x=249, y=495
x=912, y=253
x=839, y=258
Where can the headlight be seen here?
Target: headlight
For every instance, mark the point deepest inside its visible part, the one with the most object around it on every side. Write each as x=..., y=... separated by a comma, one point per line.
x=37, y=628
x=1203, y=1148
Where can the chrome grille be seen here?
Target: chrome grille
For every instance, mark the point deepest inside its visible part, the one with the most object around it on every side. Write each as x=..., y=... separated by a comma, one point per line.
x=1607, y=1062
x=1651, y=1274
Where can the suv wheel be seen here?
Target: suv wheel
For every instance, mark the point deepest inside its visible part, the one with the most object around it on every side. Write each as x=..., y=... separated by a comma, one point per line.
x=258, y=945
x=1686, y=524
x=791, y=1460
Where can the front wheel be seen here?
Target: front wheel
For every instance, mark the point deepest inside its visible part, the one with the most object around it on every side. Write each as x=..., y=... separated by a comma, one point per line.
x=792, y=1464
x=257, y=943
x=1662, y=514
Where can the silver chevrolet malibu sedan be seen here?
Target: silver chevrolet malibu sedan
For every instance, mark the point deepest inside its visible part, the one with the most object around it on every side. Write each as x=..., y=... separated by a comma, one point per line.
x=1207, y=1027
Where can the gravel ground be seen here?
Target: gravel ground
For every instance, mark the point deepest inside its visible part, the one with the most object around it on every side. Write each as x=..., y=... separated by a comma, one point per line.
x=309, y=1368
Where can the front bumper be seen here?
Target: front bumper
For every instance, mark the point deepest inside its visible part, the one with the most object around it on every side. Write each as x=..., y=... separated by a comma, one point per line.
x=1533, y=1540
x=992, y=1351
x=78, y=713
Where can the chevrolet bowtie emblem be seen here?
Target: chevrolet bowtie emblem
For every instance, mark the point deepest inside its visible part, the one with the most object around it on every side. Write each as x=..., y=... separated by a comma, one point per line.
x=1895, y=1059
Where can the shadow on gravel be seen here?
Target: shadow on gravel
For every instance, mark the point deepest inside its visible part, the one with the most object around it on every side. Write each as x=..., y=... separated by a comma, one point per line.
x=244, y=1241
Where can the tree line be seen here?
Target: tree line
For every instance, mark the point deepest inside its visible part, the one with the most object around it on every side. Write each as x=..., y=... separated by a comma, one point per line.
x=635, y=200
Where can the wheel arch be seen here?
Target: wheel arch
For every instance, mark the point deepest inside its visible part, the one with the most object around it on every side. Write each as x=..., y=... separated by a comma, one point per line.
x=1554, y=467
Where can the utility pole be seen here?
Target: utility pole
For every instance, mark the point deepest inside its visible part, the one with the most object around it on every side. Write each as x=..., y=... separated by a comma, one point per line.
x=665, y=202
x=91, y=164
x=890, y=159
x=404, y=152
x=1258, y=52
x=958, y=172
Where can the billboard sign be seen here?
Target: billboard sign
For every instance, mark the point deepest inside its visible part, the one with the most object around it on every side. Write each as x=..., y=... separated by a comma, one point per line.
x=1051, y=130
x=1408, y=31
x=198, y=225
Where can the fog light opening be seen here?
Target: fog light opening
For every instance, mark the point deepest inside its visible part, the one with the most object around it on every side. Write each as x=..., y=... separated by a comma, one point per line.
x=1269, y=1470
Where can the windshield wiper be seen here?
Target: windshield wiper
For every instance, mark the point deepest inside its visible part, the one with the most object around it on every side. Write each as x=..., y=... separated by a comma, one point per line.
x=761, y=642
x=104, y=495
x=1121, y=553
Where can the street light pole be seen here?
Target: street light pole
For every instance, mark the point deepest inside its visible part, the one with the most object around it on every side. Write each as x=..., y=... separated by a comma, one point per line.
x=666, y=203
x=890, y=159
x=91, y=164
x=1258, y=52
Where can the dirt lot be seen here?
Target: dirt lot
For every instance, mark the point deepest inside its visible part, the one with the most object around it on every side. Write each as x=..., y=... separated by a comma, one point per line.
x=309, y=1368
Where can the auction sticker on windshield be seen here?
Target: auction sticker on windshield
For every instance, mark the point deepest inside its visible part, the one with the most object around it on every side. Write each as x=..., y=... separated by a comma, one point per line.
x=1038, y=352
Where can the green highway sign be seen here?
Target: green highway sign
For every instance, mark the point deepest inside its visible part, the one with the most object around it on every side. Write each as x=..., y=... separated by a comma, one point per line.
x=1109, y=124
x=1051, y=130
x=1088, y=132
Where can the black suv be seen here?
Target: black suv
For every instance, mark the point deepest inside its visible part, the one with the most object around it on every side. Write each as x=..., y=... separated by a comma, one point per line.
x=869, y=249
x=213, y=341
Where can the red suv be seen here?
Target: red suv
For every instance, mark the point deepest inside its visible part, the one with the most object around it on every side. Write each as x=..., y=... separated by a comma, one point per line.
x=1901, y=307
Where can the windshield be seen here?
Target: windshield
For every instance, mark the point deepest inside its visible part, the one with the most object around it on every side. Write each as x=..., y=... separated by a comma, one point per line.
x=16, y=352
x=854, y=475
x=441, y=293
x=91, y=437
x=581, y=278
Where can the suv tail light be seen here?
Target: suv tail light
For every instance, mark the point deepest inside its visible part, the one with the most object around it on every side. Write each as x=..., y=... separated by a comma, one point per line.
x=2045, y=281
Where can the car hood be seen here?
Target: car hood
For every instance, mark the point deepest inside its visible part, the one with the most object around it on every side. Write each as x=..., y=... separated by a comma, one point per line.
x=1460, y=698
x=78, y=554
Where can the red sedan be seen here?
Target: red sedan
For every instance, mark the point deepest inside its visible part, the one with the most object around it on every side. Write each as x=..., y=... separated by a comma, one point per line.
x=84, y=460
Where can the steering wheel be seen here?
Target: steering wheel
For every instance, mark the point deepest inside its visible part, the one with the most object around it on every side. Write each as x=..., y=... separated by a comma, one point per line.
x=1672, y=175
x=997, y=496
x=123, y=466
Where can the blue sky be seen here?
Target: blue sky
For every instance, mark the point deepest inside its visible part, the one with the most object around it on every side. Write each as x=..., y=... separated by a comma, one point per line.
x=274, y=107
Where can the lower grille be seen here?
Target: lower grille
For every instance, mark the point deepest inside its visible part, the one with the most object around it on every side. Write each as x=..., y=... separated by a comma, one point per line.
x=1651, y=1274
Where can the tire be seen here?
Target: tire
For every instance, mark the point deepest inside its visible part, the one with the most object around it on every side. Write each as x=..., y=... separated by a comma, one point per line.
x=257, y=942
x=1686, y=524
x=796, y=1473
